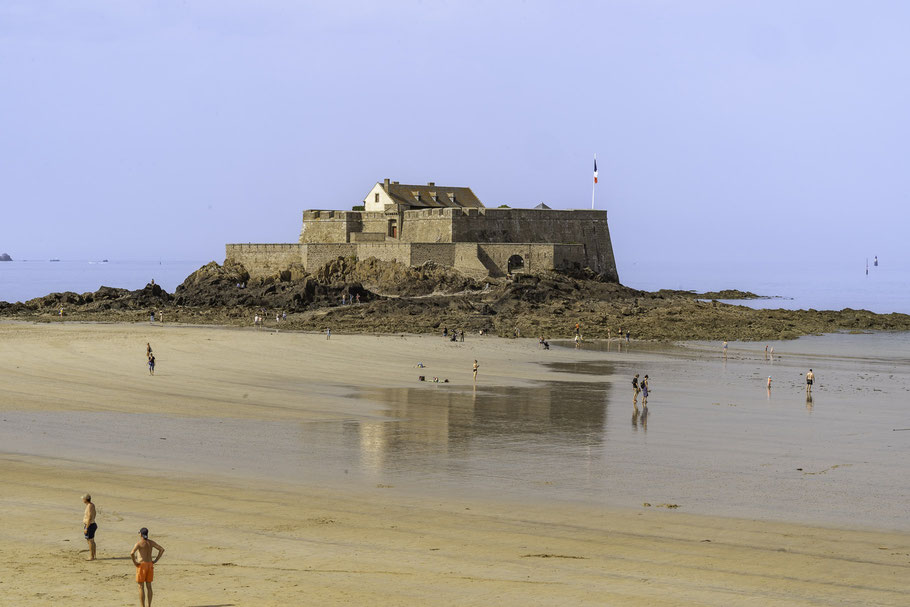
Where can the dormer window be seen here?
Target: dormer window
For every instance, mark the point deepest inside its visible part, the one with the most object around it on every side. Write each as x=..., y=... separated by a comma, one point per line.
x=434, y=197
x=452, y=196
x=416, y=195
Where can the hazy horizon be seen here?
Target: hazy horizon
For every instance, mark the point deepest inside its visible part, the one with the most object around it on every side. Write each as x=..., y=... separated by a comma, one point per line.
x=734, y=131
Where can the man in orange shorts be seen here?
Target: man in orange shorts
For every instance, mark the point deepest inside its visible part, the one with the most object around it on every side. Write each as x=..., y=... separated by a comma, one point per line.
x=145, y=566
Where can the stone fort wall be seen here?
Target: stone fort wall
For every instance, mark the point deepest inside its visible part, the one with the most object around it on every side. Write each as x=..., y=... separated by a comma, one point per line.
x=473, y=259
x=475, y=241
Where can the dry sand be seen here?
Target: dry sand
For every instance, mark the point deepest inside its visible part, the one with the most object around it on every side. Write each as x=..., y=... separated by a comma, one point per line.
x=257, y=541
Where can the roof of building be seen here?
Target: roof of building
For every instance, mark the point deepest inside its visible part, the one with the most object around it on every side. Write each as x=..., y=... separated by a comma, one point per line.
x=543, y=206
x=430, y=195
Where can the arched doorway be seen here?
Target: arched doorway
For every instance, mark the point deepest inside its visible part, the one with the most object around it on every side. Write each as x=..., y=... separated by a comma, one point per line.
x=516, y=264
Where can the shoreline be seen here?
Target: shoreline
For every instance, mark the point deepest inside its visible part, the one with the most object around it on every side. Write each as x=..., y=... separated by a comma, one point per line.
x=295, y=464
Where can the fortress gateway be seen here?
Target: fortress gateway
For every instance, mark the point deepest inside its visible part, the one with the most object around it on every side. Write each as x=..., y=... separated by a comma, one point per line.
x=414, y=224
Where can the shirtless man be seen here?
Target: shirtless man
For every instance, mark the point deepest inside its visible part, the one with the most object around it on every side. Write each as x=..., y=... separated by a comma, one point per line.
x=88, y=525
x=145, y=566
x=476, y=366
x=810, y=379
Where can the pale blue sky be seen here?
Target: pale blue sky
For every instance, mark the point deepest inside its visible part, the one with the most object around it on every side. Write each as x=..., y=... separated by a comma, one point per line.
x=163, y=130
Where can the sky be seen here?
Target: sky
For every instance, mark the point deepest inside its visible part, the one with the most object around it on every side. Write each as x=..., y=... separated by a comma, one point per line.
x=723, y=130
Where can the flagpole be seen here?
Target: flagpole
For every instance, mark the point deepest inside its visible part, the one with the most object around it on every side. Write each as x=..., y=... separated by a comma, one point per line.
x=594, y=182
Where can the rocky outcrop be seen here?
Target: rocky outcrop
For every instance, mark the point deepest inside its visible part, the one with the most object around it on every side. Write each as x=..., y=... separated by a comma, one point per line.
x=5, y=257
x=394, y=298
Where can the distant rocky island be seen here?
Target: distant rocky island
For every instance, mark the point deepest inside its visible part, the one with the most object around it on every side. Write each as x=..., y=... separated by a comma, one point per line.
x=5, y=257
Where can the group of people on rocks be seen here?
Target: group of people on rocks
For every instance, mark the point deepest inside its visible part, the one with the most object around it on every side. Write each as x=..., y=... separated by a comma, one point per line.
x=454, y=335
x=259, y=319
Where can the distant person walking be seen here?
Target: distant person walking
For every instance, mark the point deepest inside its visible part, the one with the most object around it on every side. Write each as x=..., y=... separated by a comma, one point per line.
x=145, y=566
x=151, y=364
x=725, y=348
x=628, y=335
x=769, y=383
x=148, y=350
x=810, y=379
x=89, y=527
x=328, y=333
x=635, y=389
x=476, y=366
x=644, y=391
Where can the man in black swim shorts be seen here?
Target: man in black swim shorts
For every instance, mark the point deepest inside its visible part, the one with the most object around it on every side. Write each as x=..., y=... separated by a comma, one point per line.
x=89, y=527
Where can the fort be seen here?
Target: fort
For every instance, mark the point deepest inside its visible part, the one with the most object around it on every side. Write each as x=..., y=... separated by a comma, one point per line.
x=415, y=224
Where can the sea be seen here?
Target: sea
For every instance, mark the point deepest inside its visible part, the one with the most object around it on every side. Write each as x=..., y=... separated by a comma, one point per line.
x=790, y=285
x=24, y=280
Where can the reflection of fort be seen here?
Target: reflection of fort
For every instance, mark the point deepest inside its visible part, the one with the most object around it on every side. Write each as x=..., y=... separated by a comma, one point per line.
x=438, y=419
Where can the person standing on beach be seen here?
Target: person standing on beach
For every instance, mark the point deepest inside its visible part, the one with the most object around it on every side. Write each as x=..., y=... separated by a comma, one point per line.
x=151, y=364
x=476, y=366
x=635, y=389
x=810, y=379
x=148, y=350
x=328, y=333
x=644, y=391
x=725, y=348
x=145, y=566
x=89, y=527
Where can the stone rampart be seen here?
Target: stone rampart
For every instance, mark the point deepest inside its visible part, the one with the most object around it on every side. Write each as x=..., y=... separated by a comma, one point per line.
x=587, y=228
x=330, y=226
x=265, y=259
x=476, y=241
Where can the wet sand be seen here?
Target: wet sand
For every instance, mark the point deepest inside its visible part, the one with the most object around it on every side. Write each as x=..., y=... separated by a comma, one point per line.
x=286, y=469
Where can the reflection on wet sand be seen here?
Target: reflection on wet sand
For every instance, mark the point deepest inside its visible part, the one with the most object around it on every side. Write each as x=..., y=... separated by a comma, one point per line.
x=444, y=420
x=640, y=417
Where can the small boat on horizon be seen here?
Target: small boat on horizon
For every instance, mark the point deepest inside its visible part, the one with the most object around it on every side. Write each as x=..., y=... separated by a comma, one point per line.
x=55, y=260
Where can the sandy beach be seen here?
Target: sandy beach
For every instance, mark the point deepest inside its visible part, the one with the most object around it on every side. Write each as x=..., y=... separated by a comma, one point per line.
x=287, y=469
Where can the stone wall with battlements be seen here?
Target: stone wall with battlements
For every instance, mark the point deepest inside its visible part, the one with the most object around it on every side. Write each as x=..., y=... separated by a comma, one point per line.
x=476, y=241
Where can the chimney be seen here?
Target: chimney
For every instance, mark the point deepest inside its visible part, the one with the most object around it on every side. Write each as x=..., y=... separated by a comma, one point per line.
x=385, y=184
x=431, y=183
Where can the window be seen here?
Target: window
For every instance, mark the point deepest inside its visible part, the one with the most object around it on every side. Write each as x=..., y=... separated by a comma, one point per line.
x=377, y=197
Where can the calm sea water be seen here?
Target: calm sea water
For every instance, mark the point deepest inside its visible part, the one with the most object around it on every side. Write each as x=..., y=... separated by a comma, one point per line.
x=24, y=280
x=795, y=285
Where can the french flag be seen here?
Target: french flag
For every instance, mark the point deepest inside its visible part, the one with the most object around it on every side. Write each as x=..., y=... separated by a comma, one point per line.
x=595, y=169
